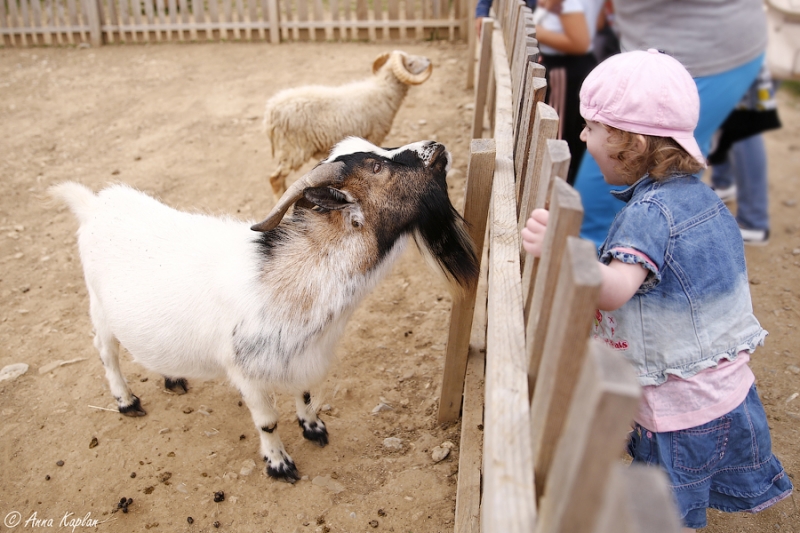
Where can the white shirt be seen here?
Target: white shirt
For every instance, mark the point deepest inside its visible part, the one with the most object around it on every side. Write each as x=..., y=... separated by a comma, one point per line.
x=552, y=22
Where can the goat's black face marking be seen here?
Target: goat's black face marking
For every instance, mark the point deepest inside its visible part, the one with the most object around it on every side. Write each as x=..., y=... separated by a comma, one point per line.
x=269, y=429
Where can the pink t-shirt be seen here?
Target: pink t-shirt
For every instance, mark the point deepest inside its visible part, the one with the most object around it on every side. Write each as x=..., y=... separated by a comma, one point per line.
x=684, y=403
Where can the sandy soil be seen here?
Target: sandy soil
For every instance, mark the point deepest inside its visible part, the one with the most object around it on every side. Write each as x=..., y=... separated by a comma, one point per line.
x=183, y=122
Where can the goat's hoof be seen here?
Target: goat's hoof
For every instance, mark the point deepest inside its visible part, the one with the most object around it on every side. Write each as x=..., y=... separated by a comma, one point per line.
x=178, y=386
x=285, y=470
x=315, y=432
x=134, y=409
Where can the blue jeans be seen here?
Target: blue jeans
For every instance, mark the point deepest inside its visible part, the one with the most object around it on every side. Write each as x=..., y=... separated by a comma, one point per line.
x=746, y=166
x=726, y=464
x=719, y=94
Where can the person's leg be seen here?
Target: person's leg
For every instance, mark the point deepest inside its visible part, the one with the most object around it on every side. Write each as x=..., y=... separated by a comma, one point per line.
x=723, y=179
x=718, y=96
x=750, y=160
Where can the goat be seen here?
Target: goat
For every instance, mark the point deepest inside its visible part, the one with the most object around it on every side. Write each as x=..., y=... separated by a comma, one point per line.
x=195, y=296
x=306, y=121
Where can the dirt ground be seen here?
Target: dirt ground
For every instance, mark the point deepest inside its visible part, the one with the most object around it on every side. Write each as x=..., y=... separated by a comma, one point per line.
x=183, y=122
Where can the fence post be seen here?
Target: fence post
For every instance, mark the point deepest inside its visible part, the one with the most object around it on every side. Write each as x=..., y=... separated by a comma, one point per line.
x=571, y=316
x=638, y=498
x=484, y=68
x=591, y=443
x=93, y=15
x=566, y=214
x=476, y=208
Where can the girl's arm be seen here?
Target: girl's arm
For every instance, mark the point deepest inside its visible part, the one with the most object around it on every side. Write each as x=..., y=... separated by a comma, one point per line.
x=620, y=281
x=574, y=40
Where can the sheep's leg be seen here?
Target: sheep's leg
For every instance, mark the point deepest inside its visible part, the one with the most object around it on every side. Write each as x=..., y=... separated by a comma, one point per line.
x=176, y=385
x=313, y=427
x=265, y=416
x=277, y=181
x=108, y=347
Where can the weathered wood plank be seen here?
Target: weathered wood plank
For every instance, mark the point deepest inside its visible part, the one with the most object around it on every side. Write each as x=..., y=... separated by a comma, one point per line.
x=566, y=214
x=638, y=498
x=470, y=451
x=508, y=491
x=480, y=171
x=531, y=189
x=564, y=353
x=592, y=442
x=484, y=70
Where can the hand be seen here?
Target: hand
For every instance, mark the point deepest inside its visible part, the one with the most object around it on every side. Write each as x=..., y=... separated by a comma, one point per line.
x=533, y=232
x=478, y=24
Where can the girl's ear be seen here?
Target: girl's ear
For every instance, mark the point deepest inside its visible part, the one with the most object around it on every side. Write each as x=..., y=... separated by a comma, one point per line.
x=640, y=143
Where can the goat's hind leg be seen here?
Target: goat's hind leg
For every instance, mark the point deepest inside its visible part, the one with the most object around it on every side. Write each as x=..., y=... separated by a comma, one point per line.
x=265, y=416
x=176, y=385
x=313, y=427
x=108, y=347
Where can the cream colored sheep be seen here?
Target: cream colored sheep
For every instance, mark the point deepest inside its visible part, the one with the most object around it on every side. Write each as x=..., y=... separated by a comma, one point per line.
x=308, y=121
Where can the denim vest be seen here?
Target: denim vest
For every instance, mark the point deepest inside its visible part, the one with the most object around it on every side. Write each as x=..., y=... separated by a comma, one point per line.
x=694, y=306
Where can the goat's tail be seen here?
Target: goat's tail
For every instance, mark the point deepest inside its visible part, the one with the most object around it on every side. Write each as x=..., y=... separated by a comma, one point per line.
x=79, y=198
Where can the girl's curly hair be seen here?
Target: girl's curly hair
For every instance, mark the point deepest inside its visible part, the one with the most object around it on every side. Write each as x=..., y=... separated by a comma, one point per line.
x=662, y=157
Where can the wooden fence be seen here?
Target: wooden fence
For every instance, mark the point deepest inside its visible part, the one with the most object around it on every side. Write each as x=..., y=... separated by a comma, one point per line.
x=545, y=410
x=70, y=22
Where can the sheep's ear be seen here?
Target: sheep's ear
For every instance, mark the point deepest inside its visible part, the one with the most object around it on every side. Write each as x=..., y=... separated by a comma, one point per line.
x=380, y=61
x=328, y=198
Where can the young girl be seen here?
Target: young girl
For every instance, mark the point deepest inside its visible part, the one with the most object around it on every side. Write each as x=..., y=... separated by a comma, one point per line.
x=675, y=297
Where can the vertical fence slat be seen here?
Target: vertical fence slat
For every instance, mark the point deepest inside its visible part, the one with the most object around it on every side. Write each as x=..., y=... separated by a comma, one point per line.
x=35, y=16
x=112, y=21
x=274, y=22
x=321, y=33
x=476, y=208
x=393, y=14
x=594, y=433
x=564, y=351
x=566, y=213
x=7, y=38
x=240, y=33
x=186, y=33
x=172, y=7
x=159, y=18
x=530, y=192
x=484, y=68
x=535, y=89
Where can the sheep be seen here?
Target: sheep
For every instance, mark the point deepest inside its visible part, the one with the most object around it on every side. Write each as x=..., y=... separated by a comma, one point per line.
x=195, y=296
x=303, y=122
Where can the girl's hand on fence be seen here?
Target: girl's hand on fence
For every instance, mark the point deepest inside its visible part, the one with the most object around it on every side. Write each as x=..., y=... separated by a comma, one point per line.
x=534, y=230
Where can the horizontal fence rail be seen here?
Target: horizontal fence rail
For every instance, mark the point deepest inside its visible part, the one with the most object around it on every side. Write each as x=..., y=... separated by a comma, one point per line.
x=70, y=22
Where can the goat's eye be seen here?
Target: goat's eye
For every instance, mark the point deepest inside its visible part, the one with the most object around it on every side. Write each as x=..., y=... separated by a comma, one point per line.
x=356, y=224
x=376, y=167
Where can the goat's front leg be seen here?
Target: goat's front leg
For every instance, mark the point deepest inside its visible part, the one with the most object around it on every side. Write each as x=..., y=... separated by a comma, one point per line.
x=313, y=428
x=265, y=416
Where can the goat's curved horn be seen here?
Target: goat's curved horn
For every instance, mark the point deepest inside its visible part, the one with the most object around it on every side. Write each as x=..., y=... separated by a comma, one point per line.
x=322, y=174
x=379, y=61
x=404, y=75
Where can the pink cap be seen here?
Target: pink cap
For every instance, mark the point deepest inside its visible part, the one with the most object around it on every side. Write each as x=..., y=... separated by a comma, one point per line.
x=644, y=92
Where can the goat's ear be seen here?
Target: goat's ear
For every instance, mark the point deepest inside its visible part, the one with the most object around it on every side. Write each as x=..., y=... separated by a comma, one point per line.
x=328, y=197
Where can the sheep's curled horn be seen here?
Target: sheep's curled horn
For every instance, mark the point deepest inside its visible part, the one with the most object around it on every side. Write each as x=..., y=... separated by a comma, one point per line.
x=399, y=69
x=321, y=175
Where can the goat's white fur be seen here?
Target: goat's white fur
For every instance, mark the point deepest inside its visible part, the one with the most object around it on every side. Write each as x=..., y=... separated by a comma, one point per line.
x=174, y=286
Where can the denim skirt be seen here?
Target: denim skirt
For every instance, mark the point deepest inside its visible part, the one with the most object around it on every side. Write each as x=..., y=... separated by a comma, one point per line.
x=726, y=464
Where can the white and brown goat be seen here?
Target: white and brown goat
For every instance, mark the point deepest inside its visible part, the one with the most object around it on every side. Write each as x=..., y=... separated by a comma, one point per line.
x=195, y=296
